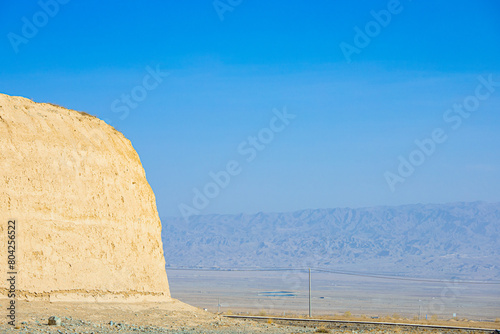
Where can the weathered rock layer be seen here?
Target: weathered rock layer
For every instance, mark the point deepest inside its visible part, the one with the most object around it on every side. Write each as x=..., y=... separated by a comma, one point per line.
x=87, y=227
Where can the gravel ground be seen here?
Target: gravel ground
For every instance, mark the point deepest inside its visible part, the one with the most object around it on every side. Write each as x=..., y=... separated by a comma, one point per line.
x=70, y=325
x=172, y=317
x=219, y=325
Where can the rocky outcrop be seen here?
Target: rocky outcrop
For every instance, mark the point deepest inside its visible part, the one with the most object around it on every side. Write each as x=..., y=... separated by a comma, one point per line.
x=87, y=227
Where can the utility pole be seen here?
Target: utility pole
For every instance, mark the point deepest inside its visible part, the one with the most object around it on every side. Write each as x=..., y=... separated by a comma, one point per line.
x=309, y=292
x=419, y=309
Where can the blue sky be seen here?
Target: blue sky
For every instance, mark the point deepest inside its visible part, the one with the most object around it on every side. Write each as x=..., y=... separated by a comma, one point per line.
x=354, y=119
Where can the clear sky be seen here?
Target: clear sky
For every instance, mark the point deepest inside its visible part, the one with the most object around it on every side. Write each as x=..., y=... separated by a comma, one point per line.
x=355, y=84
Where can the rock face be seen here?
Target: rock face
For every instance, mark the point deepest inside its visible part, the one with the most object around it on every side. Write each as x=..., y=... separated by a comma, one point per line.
x=87, y=227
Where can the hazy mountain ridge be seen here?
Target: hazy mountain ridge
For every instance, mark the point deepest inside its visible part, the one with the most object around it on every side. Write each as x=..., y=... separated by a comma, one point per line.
x=428, y=240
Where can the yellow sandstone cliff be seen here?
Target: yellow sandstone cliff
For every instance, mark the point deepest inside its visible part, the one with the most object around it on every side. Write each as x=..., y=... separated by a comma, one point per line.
x=87, y=227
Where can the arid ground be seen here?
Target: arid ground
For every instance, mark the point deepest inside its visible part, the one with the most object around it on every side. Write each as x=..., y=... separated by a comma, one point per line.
x=286, y=293
x=172, y=317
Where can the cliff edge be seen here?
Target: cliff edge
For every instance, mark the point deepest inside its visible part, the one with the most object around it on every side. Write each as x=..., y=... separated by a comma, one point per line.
x=87, y=227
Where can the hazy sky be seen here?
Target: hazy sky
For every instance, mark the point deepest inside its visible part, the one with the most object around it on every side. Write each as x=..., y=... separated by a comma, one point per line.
x=302, y=104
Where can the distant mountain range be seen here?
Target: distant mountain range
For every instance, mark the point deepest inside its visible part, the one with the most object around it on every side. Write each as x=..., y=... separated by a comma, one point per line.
x=457, y=240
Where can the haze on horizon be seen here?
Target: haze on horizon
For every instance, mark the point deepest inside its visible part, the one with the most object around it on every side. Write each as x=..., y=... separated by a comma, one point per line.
x=200, y=89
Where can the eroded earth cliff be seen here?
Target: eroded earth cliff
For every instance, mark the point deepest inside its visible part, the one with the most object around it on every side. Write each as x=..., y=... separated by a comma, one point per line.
x=87, y=227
